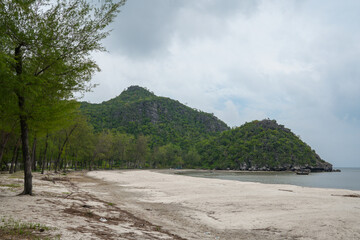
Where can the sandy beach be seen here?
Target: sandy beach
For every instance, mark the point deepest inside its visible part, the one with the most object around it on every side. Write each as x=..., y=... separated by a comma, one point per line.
x=149, y=204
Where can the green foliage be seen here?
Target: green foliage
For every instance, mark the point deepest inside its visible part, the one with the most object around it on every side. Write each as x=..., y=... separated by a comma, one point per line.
x=137, y=111
x=45, y=49
x=45, y=54
x=179, y=136
x=140, y=130
x=14, y=229
x=257, y=145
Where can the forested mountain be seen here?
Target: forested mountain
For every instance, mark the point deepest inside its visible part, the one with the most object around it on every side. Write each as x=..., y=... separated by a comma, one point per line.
x=260, y=145
x=138, y=129
x=137, y=111
x=179, y=136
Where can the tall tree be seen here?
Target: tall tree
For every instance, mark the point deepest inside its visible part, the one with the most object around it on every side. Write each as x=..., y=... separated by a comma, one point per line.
x=81, y=142
x=67, y=133
x=45, y=52
x=102, y=146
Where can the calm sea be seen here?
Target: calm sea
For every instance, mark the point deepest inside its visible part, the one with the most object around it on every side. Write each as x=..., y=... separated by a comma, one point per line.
x=348, y=178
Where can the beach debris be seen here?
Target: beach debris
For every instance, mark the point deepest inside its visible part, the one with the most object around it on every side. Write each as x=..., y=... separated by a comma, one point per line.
x=103, y=219
x=286, y=190
x=347, y=195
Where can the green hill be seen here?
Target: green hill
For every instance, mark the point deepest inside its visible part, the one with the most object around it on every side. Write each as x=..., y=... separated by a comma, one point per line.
x=189, y=134
x=260, y=145
x=138, y=111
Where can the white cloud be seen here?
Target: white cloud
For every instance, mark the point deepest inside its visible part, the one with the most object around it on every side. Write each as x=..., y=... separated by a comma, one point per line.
x=295, y=61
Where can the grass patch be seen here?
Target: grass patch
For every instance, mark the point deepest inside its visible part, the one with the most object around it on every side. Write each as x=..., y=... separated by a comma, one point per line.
x=15, y=229
x=17, y=175
x=110, y=204
x=10, y=185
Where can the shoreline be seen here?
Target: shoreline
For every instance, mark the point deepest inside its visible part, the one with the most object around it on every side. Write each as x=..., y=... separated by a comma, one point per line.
x=326, y=180
x=152, y=204
x=232, y=208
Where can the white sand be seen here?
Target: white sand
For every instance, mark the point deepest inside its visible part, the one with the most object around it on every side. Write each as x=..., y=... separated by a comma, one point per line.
x=72, y=208
x=154, y=205
x=199, y=208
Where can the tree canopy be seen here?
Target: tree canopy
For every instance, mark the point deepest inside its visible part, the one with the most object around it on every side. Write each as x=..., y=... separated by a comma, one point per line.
x=45, y=56
x=260, y=145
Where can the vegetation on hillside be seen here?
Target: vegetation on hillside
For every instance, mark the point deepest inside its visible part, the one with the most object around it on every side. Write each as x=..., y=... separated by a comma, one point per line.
x=137, y=129
x=259, y=145
x=137, y=111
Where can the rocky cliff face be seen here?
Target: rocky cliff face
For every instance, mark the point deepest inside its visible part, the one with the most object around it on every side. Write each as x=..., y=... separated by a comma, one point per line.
x=166, y=111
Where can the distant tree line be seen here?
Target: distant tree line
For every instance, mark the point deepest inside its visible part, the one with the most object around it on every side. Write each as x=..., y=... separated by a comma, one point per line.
x=259, y=145
x=77, y=146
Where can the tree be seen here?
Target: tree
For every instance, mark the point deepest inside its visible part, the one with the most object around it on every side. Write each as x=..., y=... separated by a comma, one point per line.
x=102, y=146
x=141, y=151
x=120, y=145
x=62, y=144
x=45, y=58
x=192, y=158
x=81, y=142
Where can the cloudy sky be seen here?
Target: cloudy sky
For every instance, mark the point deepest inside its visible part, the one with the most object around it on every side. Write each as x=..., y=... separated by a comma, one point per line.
x=294, y=61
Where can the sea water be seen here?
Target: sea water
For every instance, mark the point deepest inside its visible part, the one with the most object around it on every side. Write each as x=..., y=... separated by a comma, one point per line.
x=348, y=178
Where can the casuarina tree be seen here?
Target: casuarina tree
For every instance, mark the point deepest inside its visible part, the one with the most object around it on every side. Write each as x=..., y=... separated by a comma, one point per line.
x=45, y=57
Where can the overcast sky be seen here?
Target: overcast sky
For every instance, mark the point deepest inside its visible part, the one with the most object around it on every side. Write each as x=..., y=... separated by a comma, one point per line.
x=294, y=61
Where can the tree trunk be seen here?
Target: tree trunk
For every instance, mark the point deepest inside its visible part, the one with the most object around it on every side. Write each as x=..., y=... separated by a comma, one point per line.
x=73, y=161
x=51, y=160
x=58, y=162
x=15, y=154
x=65, y=160
x=3, y=144
x=76, y=162
x=62, y=147
x=23, y=126
x=33, y=155
x=16, y=160
x=44, y=160
x=26, y=154
x=91, y=163
x=60, y=165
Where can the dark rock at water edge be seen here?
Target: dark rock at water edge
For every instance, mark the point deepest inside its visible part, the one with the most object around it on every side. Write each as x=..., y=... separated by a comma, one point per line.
x=321, y=167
